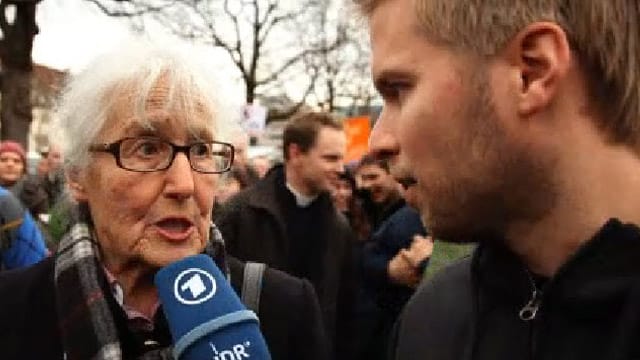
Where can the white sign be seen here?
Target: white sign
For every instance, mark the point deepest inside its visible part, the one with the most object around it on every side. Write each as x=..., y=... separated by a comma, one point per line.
x=253, y=119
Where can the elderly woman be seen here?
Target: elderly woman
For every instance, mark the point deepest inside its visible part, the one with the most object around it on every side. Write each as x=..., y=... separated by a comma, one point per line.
x=140, y=131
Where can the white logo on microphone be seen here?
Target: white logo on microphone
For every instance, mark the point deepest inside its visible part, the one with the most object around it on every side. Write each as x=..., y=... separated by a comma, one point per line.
x=194, y=286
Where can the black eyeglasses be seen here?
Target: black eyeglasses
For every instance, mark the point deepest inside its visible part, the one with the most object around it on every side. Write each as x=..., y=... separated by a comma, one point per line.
x=147, y=154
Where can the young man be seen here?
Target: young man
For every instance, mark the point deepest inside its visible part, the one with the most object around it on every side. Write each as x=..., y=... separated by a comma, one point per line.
x=380, y=192
x=287, y=220
x=520, y=121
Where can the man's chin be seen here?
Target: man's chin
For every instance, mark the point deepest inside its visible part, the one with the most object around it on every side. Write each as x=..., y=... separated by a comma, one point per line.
x=448, y=232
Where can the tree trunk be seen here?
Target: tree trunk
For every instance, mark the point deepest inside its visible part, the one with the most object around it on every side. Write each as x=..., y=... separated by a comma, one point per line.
x=15, y=53
x=15, y=113
x=250, y=94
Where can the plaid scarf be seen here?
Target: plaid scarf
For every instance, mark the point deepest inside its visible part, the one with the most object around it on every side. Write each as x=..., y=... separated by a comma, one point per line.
x=86, y=322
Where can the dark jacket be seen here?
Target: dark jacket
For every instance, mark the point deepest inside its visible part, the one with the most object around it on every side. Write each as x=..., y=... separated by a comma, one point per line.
x=31, y=192
x=29, y=326
x=255, y=226
x=474, y=309
x=394, y=234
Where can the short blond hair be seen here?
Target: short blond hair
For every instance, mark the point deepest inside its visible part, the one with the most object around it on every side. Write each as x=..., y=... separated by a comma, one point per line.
x=603, y=35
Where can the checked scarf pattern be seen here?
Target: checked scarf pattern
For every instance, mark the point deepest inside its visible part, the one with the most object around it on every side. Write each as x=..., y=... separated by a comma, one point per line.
x=86, y=323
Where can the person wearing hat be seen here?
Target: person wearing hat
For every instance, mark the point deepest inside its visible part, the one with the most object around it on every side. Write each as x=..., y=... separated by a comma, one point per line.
x=14, y=177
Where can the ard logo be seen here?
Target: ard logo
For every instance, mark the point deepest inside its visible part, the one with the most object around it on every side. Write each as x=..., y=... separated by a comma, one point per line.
x=194, y=286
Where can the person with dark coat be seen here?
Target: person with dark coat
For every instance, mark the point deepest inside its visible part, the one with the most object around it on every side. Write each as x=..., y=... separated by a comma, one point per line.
x=290, y=318
x=14, y=176
x=142, y=163
x=393, y=264
x=503, y=311
x=395, y=234
x=287, y=220
x=520, y=123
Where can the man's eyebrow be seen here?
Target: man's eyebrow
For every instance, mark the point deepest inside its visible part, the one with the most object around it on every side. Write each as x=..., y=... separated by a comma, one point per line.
x=381, y=80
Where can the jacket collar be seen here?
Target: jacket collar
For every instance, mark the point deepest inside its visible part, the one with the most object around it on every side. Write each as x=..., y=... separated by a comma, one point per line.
x=603, y=268
x=265, y=193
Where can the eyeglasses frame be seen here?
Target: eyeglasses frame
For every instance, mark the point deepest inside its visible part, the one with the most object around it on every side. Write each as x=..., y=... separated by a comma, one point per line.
x=114, y=149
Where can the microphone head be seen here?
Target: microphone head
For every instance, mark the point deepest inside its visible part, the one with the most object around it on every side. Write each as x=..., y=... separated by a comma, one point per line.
x=205, y=316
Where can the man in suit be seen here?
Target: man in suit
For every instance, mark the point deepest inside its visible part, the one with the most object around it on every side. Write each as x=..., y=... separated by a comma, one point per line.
x=288, y=221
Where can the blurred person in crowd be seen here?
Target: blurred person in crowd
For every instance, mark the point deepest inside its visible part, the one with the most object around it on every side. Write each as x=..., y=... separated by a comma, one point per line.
x=393, y=264
x=54, y=180
x=345, y=200
x=43, y=168
x=288, y=220
x=14, y=177
x=240, y=160
x=342, y=192
x=231, y=183
x=262, y=165
x=378, y=189
x=520, y=122
x=142, y=164
x=21, y=242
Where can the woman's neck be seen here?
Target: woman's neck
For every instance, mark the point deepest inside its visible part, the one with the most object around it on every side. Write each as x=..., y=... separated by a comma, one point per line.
x=138, y=289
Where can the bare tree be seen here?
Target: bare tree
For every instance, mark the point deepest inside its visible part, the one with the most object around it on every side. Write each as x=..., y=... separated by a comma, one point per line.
x=18, y=25
x=344, y=78
x=129, y=8
x=260, y=37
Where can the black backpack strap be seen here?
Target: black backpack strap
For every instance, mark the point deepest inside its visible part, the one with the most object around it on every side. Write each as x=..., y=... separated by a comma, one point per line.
x=252, y=285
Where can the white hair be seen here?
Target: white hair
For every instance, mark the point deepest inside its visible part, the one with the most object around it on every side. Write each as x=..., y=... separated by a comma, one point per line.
x=134, y=69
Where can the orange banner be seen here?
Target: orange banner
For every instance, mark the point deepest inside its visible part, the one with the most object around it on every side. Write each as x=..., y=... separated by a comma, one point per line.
x=357, y=130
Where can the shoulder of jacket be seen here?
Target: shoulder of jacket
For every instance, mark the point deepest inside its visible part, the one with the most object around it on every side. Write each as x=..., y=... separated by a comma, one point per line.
x=279, y=288
x=25, y=283
x=449, y=288
x=280, y=282
x=439, y=317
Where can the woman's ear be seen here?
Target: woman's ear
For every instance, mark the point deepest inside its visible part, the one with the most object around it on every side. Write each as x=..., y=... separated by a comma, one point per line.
x=75, y=183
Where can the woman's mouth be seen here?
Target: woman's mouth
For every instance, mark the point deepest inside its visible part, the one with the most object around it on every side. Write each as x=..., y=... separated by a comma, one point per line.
x=175, y=229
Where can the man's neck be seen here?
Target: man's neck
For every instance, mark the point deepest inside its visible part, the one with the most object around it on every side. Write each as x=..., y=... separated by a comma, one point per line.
x=591, y=194
x=301, y=200
x=293, y=180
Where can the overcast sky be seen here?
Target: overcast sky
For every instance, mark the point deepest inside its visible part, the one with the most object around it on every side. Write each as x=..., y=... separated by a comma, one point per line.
x=72, y=32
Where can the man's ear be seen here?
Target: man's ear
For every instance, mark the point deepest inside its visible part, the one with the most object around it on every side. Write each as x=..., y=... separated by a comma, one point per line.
x=74, y=182
x=542, y=54
x=294, y=151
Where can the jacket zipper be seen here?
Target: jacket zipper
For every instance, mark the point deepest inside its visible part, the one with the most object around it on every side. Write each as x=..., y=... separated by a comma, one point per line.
x=529, y=313
x=530, y=310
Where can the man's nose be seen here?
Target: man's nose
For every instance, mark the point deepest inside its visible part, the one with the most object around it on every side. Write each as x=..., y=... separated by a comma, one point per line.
x=383, y=143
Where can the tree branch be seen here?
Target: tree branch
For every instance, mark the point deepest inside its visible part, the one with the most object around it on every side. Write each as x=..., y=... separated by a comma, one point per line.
x=142, y=9
x=236, y=25
x=275, y=21
x=294, y=109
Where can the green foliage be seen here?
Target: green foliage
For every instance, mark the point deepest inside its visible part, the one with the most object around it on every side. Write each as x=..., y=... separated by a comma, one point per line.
x=445, y=253
x=58, y=222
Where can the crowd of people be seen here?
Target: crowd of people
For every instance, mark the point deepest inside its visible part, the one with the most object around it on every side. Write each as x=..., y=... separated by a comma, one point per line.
x=510, y=125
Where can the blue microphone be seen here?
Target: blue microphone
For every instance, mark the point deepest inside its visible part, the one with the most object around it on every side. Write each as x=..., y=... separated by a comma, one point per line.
x=205, y=316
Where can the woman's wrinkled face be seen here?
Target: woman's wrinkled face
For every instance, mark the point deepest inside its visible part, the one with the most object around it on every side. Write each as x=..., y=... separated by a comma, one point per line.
x=155, y=218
